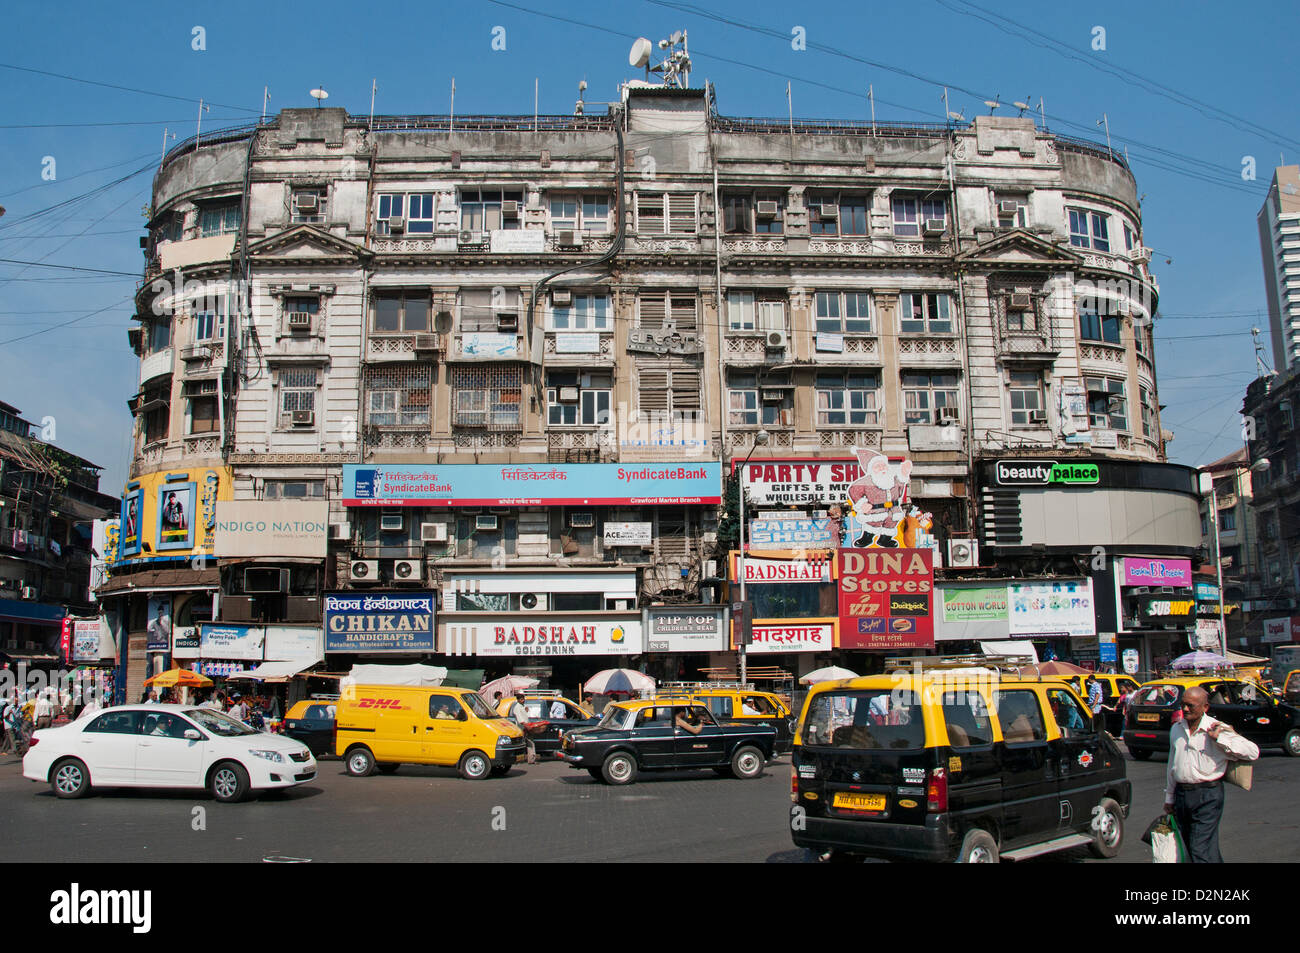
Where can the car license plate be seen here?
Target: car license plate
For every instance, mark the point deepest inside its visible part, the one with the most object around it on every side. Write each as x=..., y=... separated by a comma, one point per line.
x=1148, y=717
x=859, y=802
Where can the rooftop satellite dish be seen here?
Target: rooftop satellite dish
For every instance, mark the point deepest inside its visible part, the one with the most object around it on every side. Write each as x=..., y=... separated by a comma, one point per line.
x=675, y=38
x=640, y=54
x=318, y=95
x=992, y=104
x=956, y=117
x=1023, y=107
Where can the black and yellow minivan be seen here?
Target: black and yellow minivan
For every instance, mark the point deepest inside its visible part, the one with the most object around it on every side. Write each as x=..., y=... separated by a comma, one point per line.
x=954, y=765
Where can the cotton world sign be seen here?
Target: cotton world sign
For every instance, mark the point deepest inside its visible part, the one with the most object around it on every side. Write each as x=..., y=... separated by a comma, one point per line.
x=886, y=598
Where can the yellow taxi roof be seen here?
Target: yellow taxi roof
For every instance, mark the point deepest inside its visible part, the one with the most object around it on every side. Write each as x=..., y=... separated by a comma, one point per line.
x=1188, y=681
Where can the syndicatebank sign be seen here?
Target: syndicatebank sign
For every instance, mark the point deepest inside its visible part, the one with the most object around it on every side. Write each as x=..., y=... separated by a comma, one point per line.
x=1046, y=472
x=520, y=484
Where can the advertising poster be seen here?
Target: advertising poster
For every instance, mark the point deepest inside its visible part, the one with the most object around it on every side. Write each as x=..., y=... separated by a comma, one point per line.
x=132, y=518
x=627, y=534
x=399, y=621
x=176, y=516
x=159, y=624
x=85, y=640
x=171, y=513
x=1158, y=572
x=242, y=642
x=886, y=598
x=1064, y=609
x=255, y=528
x=686, y=629
x=287, y=643
x=975, y=604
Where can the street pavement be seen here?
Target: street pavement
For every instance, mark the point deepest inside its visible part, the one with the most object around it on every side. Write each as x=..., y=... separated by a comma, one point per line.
x=546, y=812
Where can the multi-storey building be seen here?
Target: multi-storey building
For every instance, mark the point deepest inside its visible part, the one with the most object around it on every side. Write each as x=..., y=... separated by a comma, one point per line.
x=505, y=358
x=1230, y=505
x=1279, y=243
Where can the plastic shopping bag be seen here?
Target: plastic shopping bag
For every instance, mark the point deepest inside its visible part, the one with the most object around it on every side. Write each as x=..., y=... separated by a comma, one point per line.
x=1167, y=842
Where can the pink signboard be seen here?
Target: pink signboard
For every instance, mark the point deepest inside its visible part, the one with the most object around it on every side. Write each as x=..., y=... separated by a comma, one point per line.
x=1158, y=572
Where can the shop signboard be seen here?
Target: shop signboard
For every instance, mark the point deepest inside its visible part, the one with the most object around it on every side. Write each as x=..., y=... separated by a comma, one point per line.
x=627, y=534
x=1106, y=646
x=281, y=528
x=1208, y=635
x=795, y=635
x=186, y=642
x=764, y=569
x=795, y=533
x=294, y=643
x=1277, y=630
x=522, y=484
x=1163, y=608
x=686, y=629
x=1207, y=592
x=396, y=621
x=1033, y=473
x=516, y=635
x=974, y=604
x=86, y=640
x=886, y=598
x=1063, y=609
x=1158, y=572
x=229, y=642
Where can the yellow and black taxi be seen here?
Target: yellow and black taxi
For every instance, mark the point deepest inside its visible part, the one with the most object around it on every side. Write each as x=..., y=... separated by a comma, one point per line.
x=1113, y=689
x=1244, y=705
x=311, y=721
x=553, y=714
x=951, y=765
x=738, y=703
x=664, y=735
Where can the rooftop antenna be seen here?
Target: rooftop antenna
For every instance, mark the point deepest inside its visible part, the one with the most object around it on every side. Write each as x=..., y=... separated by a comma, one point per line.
x=1042, y=114
x=164, y=149
x=871, y=98
x=266, y=96
x=1103, y=121
x=318, y=94
x=198, y=129
x=536, y=89
x=451, y=119
x=639, y=55
x=1261, y=366
x=374, y=87
x=580, y=105
x=993, y=103
x=948, y=114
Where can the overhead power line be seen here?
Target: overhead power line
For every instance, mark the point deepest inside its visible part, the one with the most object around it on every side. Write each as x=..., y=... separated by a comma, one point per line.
x=128, y=89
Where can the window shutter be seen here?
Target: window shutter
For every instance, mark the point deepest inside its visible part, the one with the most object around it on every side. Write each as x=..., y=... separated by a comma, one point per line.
x=686, y=390
x=683, y=310
x=653, y=390
x=476, y=310
x=681, y=212
x=650, y=213
x=653, y=311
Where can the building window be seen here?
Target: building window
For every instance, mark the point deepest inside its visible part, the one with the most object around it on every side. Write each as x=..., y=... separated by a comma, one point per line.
x=488, y=398
x=481, y=310
x=1027, y=399
x=1205, y=524
x=1128, y=237
x=219, y=220
x=160, y=335
x=417, y=211
x=575, y=399
x=1148, y=416
x=1012, y=210
x=295, y=308
x=297, y=392
x=920, y=313
x=659, y=213
x=752, y=405
x=655, y=307
x=210, y=317
x=398, y=396
x=1098, y=323
x=587, y=312
x=579, y=212
x=157, y=417
x=930, y=398
x=1020, y=318
x=1227, y=521
x=490, y=210
x=839, y=213
x=307, y=206
x=847, y=399
x=1107, y=406
x=746, y=312
x=669, y=390
x=914, y=216
x=1089, y=229
x=402, y=311
x=203, y=413
x=293, y=490
x=843, y=312
x=753, y=213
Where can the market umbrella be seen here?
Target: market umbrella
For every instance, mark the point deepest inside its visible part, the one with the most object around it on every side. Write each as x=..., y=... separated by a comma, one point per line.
x=1201, y=660
x=1054, y=668
x=619, y=680
x=506, y=685
x=179, y=677
x=831, y=673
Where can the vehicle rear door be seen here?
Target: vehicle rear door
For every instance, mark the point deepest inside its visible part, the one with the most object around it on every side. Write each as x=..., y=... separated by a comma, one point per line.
x=108, y=746
x=1030, y=772
x=164, y=756
x=706, y=749
x=1078, y=756
x=1251, y=713
x=974, y=761
x=653, y=736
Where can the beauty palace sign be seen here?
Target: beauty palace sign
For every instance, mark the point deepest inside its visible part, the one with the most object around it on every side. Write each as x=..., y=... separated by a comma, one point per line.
x=517, y=484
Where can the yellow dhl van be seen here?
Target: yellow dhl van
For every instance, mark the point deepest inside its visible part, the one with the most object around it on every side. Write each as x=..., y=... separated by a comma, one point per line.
x=383, y=726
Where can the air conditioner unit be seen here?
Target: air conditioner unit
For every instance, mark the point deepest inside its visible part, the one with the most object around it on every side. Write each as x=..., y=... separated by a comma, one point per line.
x=300, y=319
x=826, y=212
x=29, y=592
x=265, y=579
x=582, y=520
x=391, y=522
x=1020, y=302
x=396, y=223
x=303, y=418
x=773, y=396
x=507, y=321
x=1038, y=416
x=433, y=532
x=338, y=530
x=510, y=209
x=569, y=238
x=947, y=415
x=306, y=201
x=470, y=238
x=534, y=602
x=427, y=342
x=364, y=570
x=935, y=226
x=408, y=570
x=568, y=395
x=776, y=340
x=1008, y=207
x=963, y=553
x=766, y=209
x=1140, y=253
x=561, y=298
x=485, y=522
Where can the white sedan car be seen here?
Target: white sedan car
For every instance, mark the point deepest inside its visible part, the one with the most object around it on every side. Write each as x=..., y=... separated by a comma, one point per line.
x=166, y=746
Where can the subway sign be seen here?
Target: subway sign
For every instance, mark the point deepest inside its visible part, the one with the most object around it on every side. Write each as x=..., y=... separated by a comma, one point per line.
x=1046, y=473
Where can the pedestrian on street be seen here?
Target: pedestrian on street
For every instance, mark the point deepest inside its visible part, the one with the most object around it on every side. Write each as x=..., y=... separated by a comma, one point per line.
x=519, y=714
x=44, y=709
x=1198, y=758
x=1094, y=695
x=10, y=718
x=238, y=710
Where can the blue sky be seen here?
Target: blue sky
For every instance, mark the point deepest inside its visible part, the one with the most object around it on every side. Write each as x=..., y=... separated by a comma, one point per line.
x=1199, y=213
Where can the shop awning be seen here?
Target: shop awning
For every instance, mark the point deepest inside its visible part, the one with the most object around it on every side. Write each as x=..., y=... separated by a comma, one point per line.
x=32, y=613
x=275, y=671
x=161, y=580
x=1241, y=658
x=1010, y=647
x=30, y=657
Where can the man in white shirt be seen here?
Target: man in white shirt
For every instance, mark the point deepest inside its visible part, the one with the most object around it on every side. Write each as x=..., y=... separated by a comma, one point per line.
x=238, y=710
x=1199, y=749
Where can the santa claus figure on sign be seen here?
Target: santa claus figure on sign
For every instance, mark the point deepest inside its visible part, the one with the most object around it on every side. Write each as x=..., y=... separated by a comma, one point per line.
x=879, y=498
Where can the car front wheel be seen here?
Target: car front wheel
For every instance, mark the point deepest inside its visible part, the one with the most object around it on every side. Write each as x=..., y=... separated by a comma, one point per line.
x=70, y=779
x=1107, y=829
x=229, y=782
x=747, y=763
x=475, y=766
x=978, y=847
x=1291, y=743
x=619, y=768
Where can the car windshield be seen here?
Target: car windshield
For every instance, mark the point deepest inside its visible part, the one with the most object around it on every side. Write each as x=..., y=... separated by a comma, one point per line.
x=1158, y=696
x=475, y=703
x=219, y=724
x=865, y=719
x=612, y=718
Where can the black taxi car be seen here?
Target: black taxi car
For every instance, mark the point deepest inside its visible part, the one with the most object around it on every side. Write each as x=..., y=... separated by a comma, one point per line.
x=553, y=714
x=1243, y=705
x=653, y=735
x=923, y=767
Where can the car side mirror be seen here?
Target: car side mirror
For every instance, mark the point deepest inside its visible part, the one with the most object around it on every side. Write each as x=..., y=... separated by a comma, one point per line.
x=462, y=715
x=193, y=734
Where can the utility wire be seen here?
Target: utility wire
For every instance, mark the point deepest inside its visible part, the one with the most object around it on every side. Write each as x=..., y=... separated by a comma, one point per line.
x=128, y=89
